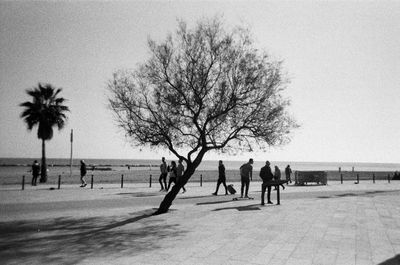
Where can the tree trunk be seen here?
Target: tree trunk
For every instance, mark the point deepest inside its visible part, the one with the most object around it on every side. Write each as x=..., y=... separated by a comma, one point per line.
x=43, y=173
x=170, y=197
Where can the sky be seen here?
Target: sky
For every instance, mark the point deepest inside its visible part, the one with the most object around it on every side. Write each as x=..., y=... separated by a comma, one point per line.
x=342, y=58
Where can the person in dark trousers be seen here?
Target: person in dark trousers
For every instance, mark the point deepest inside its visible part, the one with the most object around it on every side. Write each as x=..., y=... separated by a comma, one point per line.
x=246, y=171
x=266, y=175
x=35, y=172
x=277, y=176
x=180, y=169
x=163, y=175
x=221, y=178
x=83, y=173
x=172, y=174
x=288, y=172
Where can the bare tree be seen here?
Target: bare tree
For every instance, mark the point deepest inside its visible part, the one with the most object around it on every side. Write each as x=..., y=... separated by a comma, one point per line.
x=202, y=89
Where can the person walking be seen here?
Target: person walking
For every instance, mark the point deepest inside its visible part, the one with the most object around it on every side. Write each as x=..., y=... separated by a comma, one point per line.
x=288, y=172
x=266, y=176
x=180, y=169
x=172, y=174
x=35, y=172
x=277, y=176
x=83, y=173
x=163, y=175
x=221, y=178
x=246, y=171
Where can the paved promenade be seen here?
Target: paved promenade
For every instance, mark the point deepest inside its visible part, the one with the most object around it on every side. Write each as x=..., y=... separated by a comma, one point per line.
x=336, y=224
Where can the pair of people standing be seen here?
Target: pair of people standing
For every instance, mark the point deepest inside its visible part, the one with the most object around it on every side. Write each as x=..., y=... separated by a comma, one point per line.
x=35, y=172
x=175, y=173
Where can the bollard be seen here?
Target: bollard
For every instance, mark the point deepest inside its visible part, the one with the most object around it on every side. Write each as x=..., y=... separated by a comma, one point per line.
x=59, y=181
x=358, y=178
x=122, y=181
x=201, y=180
x=23, y=182
x=388, y=178
x=373, y=178
x=341, y=178
x=150, y=182
x=91, y=182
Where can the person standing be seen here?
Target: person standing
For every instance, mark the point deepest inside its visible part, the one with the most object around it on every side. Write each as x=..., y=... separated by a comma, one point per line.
x=180, y=169
x=246, y=171
x=277, y=176
x=221, y=178
x=266, y=176
x=83, y=173
x=288, y=172
x=35, y=172
x=163, y=175
x=172, y=174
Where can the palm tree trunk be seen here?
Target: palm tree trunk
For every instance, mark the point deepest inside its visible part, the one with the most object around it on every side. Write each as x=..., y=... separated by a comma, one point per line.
x=43, y=174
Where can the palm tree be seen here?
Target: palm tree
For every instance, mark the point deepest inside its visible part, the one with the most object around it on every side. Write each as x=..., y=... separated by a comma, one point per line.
x=46, y=111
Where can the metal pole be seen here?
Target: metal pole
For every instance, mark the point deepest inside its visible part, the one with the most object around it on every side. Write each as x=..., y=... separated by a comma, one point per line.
x=373, y=178
x=122, y=181
x=278, y=197
x=59, y=181
x=201, y=180
x=341, y=178
x=70, y=158
x=91, y=182
x=23, y=182
x=388, y=178
x=150, y=182
x=358, y=178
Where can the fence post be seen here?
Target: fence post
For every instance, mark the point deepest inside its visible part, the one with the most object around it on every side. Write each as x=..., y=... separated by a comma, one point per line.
x=91, y=182
x=122, y=181
x=358, y=178
x=23, y=182
x=150, y=182
x=341, y=178
x=59, y=181
x=388, y=178
x=201, y=180
x=373, y=178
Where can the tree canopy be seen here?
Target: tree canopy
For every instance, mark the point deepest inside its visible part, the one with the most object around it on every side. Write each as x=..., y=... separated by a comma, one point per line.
x=203, y=88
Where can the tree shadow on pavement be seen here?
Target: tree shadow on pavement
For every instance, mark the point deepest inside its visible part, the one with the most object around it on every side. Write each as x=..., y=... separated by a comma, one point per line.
x=393, y=261
x=251, y=207
x=70, y=240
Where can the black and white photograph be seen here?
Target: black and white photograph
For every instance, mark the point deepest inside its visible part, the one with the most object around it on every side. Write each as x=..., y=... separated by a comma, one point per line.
x=196, y=132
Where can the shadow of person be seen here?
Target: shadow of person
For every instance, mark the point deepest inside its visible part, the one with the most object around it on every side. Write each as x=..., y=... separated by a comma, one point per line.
x=393, y=261
x=251, y=207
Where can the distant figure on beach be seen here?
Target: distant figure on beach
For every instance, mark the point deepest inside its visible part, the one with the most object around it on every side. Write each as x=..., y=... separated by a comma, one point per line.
x=172, y=174
x=35, y=172
x=83, y=173
x=288, y=172
x=277, y=176
x=246, y=171
x=163, y=175
x=180, y=169
x=221, y=178
x=266, y=175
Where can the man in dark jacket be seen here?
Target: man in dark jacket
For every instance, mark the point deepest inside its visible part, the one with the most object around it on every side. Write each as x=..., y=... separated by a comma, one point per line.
x=266, y=175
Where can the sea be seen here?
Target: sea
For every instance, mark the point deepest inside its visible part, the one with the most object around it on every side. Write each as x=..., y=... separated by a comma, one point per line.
x=206, y=164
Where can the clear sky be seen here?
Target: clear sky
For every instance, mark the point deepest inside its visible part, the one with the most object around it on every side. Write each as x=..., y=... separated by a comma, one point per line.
x=343, y=59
